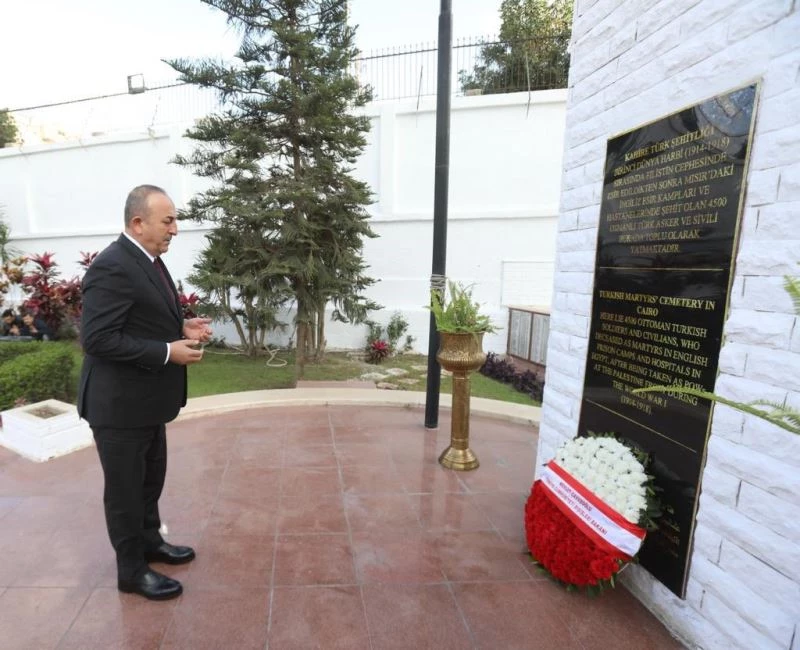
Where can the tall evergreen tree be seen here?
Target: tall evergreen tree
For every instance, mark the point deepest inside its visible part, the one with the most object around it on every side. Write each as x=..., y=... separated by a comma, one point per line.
x=531, y=52
x=281, y=154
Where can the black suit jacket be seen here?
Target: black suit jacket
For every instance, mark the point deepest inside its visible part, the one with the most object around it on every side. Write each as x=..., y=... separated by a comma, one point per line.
x=128, y=317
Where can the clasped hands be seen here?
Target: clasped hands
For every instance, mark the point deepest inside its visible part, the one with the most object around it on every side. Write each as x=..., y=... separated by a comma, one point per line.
x=186, y=350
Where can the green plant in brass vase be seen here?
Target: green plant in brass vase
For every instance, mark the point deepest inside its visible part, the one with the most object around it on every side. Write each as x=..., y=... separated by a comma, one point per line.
x=461, y=327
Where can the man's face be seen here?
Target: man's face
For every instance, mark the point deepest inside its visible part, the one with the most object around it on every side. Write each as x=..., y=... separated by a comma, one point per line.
x=8, y=320
x=28, y=320
x=155, y=230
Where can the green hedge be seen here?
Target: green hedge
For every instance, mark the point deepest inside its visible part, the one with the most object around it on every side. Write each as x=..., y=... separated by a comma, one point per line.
x=11, y=349
x=34, y=371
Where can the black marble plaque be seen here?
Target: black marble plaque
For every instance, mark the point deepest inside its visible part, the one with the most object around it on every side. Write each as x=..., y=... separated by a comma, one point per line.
x=669, y=219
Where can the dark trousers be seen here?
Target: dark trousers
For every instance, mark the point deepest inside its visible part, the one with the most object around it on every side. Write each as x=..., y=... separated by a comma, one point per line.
x=134, y=465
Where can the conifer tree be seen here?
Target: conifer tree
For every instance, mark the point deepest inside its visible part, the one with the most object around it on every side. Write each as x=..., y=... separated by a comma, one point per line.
x=280, y=154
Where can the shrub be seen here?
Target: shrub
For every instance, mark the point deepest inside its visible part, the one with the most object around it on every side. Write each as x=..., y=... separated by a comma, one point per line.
x=34, y=372
x=12, y=349
x=56, y=301
x=395, y=330
x=377, y=351
x=379, y=346
x=503, y=370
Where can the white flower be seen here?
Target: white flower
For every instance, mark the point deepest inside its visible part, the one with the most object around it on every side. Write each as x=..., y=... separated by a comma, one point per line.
x=631, y=514
x=608, y=469
x=604, y=492
x=621, y=496
x=638, y=502
x=571, y=465
x=634, y=465
x=619, y=467
x=593, y=477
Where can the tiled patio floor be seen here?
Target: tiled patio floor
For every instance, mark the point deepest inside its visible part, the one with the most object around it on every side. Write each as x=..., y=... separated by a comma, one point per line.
x=315, y=527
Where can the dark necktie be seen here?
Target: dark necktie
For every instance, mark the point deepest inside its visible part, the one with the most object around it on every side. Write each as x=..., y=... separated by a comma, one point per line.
x=170, y=289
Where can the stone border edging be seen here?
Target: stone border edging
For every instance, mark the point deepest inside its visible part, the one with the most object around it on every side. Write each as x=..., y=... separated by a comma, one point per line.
x=212, y=404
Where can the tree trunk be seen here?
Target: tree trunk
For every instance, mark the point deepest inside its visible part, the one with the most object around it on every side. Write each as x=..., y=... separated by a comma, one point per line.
x=302, y=326
x=252, y=349
x=226, y=303
x=312, y=335
x=319, y=348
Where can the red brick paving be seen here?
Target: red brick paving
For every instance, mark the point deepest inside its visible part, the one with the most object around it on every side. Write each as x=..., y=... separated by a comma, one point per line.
x=315, y=527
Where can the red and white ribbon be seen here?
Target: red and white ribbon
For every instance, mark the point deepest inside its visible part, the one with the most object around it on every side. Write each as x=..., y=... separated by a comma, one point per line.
x=595, y=518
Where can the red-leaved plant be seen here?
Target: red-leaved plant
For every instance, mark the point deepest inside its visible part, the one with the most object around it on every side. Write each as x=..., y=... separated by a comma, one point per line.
x=56, y=301
x=377, y=351
x=188, y=302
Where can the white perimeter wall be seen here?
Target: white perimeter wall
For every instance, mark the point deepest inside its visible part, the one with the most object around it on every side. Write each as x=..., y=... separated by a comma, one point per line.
x=634, y=61
x=505, y=170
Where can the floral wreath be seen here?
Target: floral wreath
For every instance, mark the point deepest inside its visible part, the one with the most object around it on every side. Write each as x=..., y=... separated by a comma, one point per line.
x=588, y=513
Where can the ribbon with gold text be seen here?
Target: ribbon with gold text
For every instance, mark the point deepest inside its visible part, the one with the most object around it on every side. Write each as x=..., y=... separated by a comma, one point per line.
x=607, y=528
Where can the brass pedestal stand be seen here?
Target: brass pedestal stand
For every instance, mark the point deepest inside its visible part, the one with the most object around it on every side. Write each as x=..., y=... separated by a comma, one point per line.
x=461, y=354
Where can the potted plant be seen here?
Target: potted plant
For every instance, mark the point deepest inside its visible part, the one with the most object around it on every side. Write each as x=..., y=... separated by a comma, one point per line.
x=461, y=327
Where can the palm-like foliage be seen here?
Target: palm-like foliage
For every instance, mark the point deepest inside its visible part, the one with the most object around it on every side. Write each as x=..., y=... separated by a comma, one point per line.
x=781, y=415
x=460, y=314
x=793, y=288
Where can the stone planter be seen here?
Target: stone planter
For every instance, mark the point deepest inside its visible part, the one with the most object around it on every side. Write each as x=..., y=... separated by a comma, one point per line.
x=44, y=430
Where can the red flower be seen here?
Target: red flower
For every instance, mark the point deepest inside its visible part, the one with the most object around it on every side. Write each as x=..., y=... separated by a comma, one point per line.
x=559, y=547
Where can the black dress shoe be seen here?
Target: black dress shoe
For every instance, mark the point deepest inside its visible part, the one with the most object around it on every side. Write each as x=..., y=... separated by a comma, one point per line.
x=169, y=554
x=152, y=585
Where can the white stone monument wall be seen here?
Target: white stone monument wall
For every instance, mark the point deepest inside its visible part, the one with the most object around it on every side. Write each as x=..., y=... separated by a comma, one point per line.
x=634, y=61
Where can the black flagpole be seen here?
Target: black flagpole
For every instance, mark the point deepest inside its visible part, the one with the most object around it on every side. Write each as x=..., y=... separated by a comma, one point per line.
x=441, y=179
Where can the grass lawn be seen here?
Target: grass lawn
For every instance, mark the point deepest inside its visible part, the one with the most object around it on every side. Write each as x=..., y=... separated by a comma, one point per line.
x=222, y=371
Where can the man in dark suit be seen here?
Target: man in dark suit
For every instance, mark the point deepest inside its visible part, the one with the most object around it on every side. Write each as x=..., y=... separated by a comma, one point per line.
x=133, y=381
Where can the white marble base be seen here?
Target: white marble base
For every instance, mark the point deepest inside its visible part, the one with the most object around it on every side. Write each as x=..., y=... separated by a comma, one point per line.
x=41, y=436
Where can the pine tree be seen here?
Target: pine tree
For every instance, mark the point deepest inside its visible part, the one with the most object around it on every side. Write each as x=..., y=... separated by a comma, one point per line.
x=281, y=154
x=531, y=52
x=230, y=276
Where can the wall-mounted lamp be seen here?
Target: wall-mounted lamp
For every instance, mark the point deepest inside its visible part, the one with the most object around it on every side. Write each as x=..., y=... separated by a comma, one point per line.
x=136, y=84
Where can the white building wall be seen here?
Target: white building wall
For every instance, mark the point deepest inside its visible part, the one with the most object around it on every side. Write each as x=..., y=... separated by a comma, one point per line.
x=634, y=61
x=505, y=169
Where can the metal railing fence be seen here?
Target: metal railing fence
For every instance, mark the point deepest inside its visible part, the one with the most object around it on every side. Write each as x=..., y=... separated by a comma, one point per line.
x=480, y=66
